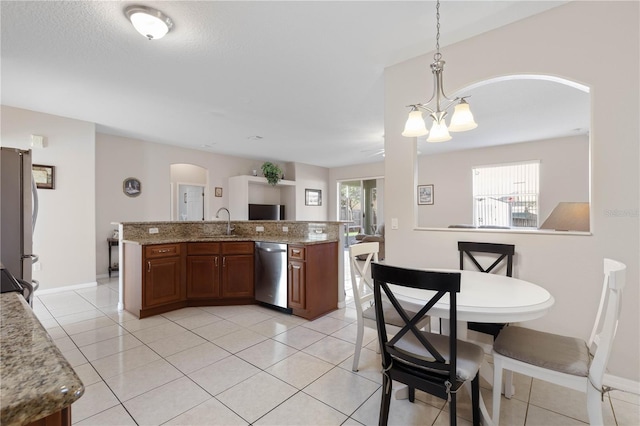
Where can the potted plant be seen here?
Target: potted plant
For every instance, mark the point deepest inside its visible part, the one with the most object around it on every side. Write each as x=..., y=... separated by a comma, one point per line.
x=272, y=172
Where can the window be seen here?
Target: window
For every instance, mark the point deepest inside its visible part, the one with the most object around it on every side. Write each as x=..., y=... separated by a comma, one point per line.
x=506, y=195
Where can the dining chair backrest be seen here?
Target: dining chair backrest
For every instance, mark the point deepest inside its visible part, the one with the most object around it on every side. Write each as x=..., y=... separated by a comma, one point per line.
x=504, y=253
x=604, y=327
x=361, y=281
x=446, y=285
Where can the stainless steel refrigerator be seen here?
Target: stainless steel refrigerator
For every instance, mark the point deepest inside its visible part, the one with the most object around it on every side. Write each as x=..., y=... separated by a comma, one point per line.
x=18, y=212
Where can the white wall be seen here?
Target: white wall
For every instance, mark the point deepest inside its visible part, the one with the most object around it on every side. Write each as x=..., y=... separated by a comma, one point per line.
x=64, y=236
x=564, y=176
x=568, y=42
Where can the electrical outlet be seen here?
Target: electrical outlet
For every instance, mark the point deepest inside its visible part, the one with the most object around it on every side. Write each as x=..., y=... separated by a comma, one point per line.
x=37, y=266
x=259, y=228
x=153, y=230
x=285, y=229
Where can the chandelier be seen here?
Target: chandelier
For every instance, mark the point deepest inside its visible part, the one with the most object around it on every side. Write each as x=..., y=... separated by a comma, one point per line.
x=462, y=119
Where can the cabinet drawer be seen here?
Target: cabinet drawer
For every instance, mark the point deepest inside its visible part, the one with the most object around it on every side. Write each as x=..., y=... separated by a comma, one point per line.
x=203, y=248
x=297, y=252
x=162, y=250
x=240, y=247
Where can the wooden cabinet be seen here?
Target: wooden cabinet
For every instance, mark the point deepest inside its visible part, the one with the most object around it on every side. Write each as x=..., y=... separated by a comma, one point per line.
x=220, y=270
x=312, y=279
x=162, y=275
x=296, y=284
x=153, y=278
x=203, y=270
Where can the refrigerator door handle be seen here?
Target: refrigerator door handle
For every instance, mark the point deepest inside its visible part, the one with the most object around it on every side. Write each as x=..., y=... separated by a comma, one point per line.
x=34, y=214
x=34, y=257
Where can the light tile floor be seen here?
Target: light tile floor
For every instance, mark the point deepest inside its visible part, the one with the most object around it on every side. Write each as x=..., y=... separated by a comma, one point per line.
x=240, y=365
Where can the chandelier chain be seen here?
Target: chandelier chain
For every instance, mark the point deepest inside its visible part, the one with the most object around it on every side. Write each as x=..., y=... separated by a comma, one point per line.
x=437, y=55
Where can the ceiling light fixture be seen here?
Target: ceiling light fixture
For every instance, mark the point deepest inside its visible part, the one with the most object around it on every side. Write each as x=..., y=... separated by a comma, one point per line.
x=149, y=22
x=462, y=119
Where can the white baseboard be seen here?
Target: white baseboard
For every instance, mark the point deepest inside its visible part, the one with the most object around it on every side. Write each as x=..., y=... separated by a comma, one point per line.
x=41, y=292
x=622, y=384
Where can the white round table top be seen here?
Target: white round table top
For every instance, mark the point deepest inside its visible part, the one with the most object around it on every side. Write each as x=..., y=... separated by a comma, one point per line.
x=486, y=298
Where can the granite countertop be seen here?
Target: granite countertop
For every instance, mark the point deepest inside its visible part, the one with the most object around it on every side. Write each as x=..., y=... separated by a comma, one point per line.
x=321, y=238
x=37, y=380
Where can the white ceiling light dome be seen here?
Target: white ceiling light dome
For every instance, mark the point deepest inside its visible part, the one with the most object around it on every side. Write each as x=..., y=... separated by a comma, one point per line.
x=151, y=23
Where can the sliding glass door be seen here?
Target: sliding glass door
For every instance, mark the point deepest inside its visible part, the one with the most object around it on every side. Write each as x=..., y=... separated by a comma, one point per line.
x=361, y=204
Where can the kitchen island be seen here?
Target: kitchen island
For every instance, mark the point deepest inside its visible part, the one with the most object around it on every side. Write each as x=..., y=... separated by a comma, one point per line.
x=171, y=265
x=38, y=384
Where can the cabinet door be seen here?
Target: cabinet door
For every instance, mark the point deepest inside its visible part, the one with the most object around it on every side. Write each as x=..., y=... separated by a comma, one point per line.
x=237, y=276
x=162, y=281
x=296, y=282
x=203, y=276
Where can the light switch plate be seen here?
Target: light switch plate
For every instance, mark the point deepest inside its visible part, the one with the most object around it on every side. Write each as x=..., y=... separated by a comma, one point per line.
x=394, y=223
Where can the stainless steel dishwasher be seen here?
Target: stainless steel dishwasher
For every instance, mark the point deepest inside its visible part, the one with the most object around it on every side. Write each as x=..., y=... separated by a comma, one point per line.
x=271, y=274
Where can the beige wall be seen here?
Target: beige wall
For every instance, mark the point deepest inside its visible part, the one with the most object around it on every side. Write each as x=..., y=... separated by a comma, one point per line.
x=567, y=42
x=119, y=158
x=564, y=176
x=311, y=177
x=64, y=236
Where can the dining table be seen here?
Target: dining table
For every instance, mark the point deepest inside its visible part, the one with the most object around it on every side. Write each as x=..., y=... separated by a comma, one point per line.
x=483, y=297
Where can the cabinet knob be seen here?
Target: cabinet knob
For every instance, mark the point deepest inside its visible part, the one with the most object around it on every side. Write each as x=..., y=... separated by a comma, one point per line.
x=216, y=261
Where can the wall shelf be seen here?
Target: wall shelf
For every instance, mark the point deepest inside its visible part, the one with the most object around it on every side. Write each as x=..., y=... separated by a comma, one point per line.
x=242, y=191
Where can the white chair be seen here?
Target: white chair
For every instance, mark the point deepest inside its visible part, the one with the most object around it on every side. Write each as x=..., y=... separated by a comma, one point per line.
x=565, y=361
x=362, y=286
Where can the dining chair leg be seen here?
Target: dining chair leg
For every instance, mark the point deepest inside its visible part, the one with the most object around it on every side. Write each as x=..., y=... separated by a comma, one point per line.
x=475, y=399
x=412, y=394
x=594, y=406
x=508, y=384
x=453, y=415
x=356, y=353
x=497, y=389
x=386, y=400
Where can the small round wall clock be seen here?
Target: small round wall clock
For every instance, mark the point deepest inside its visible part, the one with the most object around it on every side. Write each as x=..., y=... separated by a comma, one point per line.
x=131, y=187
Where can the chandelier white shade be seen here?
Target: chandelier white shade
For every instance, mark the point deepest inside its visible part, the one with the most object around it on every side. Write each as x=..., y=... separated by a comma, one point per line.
x=462, y=119
x=149, y=22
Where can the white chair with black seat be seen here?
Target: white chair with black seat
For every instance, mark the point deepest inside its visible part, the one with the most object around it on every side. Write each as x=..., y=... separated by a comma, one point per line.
x=565, y=361
x=362, y=286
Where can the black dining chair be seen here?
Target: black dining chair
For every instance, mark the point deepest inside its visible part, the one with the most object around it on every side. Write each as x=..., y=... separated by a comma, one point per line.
x=502, y=257
x=434, y=363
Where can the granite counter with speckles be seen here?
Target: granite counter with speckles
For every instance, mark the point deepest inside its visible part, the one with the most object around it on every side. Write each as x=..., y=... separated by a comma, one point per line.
x=36, y=379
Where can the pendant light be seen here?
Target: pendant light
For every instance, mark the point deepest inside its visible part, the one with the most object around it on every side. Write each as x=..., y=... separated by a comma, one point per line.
x=462, y=119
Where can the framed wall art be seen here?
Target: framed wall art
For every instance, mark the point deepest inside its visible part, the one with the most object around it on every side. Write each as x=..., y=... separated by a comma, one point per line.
x=425, y=194
x=44, y=176
x=218, y=191
x=312, y=197
x=131, y=187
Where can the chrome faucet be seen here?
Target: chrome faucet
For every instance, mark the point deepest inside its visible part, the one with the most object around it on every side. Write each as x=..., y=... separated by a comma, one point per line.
x=228, y=218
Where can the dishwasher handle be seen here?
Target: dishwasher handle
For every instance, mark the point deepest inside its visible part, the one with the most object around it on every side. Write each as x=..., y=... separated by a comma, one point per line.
x=271, y=250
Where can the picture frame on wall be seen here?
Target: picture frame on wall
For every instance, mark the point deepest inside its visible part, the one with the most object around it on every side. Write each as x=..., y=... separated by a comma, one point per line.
x=218, y=191
x=44, y=176
x=312, y=197
x=425, y=195
x=131, y=187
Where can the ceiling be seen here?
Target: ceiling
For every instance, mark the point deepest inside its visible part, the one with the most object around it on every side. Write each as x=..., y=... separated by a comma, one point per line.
x=285, y=81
